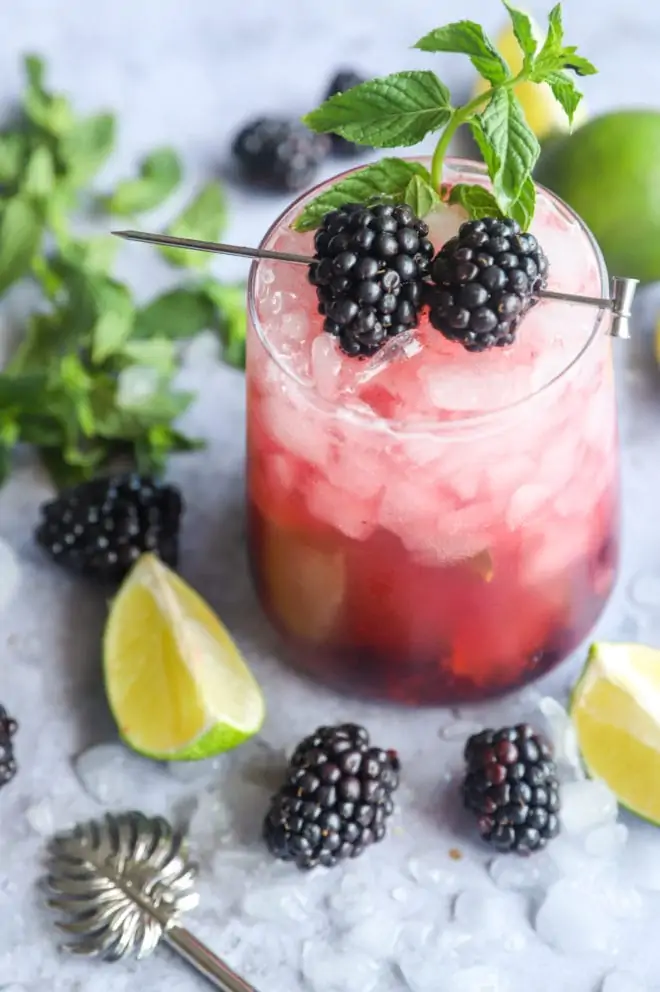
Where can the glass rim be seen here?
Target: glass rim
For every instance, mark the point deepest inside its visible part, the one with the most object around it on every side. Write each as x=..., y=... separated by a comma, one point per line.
x=425, y=426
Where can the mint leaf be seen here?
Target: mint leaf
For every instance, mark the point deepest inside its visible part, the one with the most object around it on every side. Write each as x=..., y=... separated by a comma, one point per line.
x=553, y=56
x=20, y=238
x=21, y=390
x=523, y=208
x=514, y=148
x=13, y=151
x=523, y=29
x=565, y=92
x=39, y=177
x=204, y=218
x=421, y=196
x=96, y=255
x=180, y=313
x=386, y=113
x=388, y=178
x=577, y=63
x=157, y=353
x=230, y=319
x=478, y=201
x=86, y=146
x=468, y=38
x=112, y=330
x=50, y=112
x=160, y=174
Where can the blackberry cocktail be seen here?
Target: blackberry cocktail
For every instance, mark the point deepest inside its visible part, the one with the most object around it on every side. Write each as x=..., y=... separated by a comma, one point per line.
x=432, y=454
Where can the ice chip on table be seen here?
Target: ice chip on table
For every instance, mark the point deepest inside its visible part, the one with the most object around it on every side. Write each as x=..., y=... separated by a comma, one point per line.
x=460, y=730
x=640, y=861
x=563, y=737
x=374, y=935
x=499, y=917
x=477, y=978
x=114, y=776
x=587, y=804
x=10, y=572
x=515, y=873
x=606, y=841
x=573, y=919
x=333, y=971
x=621, y=981
x=351, y=902
x=40, y=817
x=273, y=903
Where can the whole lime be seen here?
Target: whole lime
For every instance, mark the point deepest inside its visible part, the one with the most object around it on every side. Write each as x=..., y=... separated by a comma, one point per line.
x=608, y=171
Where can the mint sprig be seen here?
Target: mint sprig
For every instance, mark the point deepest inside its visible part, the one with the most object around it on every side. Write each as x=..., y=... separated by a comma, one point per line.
x=401, y=109
x=91, y=381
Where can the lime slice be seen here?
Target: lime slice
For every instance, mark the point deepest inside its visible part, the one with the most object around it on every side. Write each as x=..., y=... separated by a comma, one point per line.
x=176, y=682
x=544, y=115
x=616, y=712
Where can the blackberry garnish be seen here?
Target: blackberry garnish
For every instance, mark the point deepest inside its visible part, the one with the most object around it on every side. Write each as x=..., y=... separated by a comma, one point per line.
x=336, y=800
x=368, y=277
x=8, y=728
x=99, y=529
x=512, y=788
x=279, y=154
x=344, y=80
x=485, y=280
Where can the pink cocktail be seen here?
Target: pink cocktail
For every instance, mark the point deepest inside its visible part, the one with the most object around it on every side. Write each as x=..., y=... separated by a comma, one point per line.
x=429, y=525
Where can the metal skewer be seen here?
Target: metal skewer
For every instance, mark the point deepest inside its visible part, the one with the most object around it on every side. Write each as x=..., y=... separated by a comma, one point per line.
x=622, y=291
x=122, y=884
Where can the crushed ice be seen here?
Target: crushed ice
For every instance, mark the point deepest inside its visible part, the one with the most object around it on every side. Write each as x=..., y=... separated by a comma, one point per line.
x=10, y=572
x=564, y=739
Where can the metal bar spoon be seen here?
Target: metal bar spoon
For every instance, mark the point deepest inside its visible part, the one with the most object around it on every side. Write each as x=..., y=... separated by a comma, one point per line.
x=622, y=291
x=122, y=884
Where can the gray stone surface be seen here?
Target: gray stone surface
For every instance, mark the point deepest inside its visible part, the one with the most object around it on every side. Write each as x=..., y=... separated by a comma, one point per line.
x=406, y=918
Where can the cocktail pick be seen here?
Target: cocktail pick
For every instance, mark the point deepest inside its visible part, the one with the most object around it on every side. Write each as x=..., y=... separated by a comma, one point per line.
x=622, y=291
x=122, y=883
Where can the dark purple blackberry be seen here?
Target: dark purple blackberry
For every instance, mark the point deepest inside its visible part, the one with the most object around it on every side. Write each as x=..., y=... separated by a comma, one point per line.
x=336, y=800
x=279, y=154
x=99, y=529
x=344, y=80
x=484, y=282
x=369, y=273
x=512, y=788
x=8, y=728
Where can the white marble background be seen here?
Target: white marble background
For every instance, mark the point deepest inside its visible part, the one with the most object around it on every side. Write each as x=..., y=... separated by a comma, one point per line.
x=187, y=74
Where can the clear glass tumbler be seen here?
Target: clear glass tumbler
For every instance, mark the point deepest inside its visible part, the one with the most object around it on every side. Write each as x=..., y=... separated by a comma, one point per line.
x=429, y=525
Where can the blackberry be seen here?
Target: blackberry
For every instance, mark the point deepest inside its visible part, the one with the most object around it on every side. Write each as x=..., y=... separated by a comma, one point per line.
x=279, y=154
x=8, y=728
x=344, y=80
x=336, y=799
x=512, y=788
x=369, y=273
x=100, y=528
x=485, y=280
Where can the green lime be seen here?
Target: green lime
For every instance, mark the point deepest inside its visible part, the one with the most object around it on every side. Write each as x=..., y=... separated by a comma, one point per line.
x=608, y=171
x=176, y=682
x=615, y=708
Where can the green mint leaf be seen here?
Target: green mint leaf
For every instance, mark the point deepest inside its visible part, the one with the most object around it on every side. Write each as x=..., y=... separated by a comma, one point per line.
x=421, y=196
x=180, y=313
x=478, y=202
x=95, y=255
x=230, y=319
x=553, y=56
x=204, y=218
x=156, y=353
x=565, y=92
x=513, y=147
x=20, y=238
x=160, y=174
x=468, y=38
x=155, y=405
x=86, y=146
x=523, y=208
x=13, y=151
x=523, y=29
x=39, y=178
x=483, y=144
x=397, y=110
x=50, y=112
x=577, y=63
x=387, y=178
x=23, y=390
x=112, y=330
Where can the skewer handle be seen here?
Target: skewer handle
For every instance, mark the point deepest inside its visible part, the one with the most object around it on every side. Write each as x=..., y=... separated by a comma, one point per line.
x=208, y=964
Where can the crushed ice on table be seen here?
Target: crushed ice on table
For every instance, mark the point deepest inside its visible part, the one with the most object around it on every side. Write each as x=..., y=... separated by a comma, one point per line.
x=606, y=840
x=10, y=572
x=621, y=981
x=41, y=818
x=564, y=740
x=587, y=804
x=496, y=916
x=114, y=776
x=640, y=861
x=460, y=730
x=583, y=915
x=333, y=971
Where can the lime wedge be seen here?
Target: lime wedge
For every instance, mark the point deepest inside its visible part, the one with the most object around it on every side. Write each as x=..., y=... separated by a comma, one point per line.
x=615, y=708
x=542, y=112
x=176, y=682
